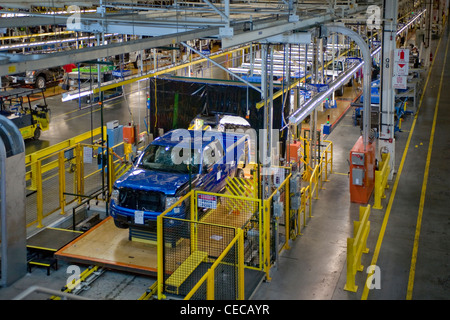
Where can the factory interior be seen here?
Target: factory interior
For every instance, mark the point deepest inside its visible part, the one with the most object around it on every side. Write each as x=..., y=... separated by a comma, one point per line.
x=247, y=151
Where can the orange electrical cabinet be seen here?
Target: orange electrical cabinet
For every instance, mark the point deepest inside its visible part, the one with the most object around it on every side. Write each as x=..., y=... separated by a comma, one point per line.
x=293, y=151
x=129, y=134
x=362, y=171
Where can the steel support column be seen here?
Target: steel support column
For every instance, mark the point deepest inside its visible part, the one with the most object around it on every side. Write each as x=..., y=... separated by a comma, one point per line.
x=386, y=140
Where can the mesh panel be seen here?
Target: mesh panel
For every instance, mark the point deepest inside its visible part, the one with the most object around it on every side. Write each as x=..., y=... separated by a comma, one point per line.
x=236, y=212
x=50, y=184
x=190, y=249
x=226, y=276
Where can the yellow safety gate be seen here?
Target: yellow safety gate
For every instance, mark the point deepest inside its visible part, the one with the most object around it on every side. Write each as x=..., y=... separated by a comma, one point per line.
x=59, y=175
x=203, y=256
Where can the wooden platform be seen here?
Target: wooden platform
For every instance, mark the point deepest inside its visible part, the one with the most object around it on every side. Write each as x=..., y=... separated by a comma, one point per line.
x=108, y=246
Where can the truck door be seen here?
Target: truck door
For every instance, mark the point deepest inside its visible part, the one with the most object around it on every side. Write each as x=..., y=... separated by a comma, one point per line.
x=213, y=175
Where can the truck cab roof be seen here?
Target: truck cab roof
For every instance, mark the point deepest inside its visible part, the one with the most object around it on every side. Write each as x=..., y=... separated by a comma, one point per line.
x=195, y=139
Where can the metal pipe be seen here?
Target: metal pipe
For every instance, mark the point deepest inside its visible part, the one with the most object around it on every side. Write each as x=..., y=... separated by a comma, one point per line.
x=314, y=102
x=300, y=114
x=39, y=289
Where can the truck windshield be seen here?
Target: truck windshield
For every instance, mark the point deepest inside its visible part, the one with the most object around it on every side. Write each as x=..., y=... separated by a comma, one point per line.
x=336, y=65
x=169, y=159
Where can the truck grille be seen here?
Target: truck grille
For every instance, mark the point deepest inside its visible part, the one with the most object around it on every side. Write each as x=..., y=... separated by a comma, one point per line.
x=141, y=200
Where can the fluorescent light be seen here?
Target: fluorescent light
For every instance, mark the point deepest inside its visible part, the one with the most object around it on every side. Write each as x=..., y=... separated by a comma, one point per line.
x=68, y=96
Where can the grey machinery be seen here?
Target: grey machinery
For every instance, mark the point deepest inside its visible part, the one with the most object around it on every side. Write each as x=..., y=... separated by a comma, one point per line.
x=13, y=252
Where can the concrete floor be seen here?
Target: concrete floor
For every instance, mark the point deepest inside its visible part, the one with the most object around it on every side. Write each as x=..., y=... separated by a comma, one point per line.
x=315, y=266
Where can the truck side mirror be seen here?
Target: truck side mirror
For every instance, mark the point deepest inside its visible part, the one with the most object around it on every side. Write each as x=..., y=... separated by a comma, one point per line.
x=136, y=157
x=206, y=168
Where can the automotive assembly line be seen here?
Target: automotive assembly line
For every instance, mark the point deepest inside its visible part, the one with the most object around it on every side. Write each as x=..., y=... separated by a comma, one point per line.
x=264, y=153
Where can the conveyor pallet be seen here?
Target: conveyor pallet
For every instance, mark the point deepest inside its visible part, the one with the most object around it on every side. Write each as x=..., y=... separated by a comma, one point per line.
x=108, y=246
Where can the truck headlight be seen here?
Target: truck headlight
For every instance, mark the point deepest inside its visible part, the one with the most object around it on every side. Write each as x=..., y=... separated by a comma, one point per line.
x=115, y=195
x=170, y=201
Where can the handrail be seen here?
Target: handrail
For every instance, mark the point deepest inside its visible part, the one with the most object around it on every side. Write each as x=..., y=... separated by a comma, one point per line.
x=209, y=275
x=160, y=241
x=356, y=246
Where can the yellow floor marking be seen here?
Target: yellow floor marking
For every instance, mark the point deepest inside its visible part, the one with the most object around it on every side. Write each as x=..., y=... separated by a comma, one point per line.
x=412, y=271
x=394, y=188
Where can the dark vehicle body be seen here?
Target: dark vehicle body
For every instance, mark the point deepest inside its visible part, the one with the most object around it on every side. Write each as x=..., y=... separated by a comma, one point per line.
x=37, y=78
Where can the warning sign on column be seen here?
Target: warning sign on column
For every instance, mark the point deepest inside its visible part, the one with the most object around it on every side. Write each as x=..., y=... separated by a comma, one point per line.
x=206, y=201
x=399, y=82
x=401, y=55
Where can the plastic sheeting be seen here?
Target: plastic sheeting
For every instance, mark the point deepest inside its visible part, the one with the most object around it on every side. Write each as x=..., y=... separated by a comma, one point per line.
x=174, y=103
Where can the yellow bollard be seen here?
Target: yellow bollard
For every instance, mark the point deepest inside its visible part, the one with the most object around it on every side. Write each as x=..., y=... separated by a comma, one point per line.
x=381, y=179
x=351, y=270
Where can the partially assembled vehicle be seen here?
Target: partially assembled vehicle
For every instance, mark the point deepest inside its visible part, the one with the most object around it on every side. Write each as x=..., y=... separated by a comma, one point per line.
x=169, y=167
x=334, y=69
x=38, y=78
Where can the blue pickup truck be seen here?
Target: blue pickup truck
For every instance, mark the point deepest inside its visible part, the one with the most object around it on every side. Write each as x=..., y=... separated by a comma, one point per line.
x=171, y=165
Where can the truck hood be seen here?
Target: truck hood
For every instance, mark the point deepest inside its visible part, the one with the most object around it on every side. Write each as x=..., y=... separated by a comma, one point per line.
x=149, y=180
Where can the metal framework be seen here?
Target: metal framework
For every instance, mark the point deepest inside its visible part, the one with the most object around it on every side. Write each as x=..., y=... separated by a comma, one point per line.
x=178, y=21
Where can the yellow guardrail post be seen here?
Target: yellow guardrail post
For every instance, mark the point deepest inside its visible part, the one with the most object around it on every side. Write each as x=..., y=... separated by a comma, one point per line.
x=160, y=257
x=308, y=193
x=241, y=280
x=356, y=246
x=33, y=161
x=314, y=181
x=210, y=285
x=194, y=218
x=287, y=213
x=331, y=154
x=39, y=193
x=62, y=181
x=79, y=170
x=266, y=238
x=381, y=179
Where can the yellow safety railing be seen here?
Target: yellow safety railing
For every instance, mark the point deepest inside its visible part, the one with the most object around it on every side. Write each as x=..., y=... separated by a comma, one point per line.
x=267, y=208
x=320, y=173
x=356, y=246
x=190, y=253
x=230, y=206
x=160, y=240
x=209, y=276
x=381, y=180
x=32, y=158
x=305, y=198
x=56, y=179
